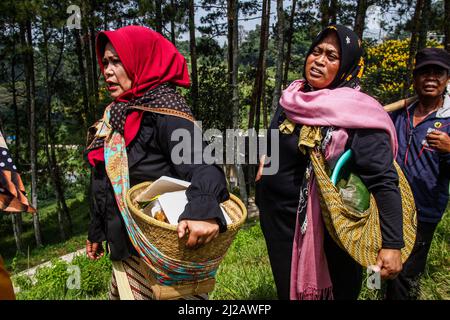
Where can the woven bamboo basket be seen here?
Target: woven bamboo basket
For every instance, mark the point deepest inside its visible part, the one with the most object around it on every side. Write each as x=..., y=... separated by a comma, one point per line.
x=360, y=233
x=164, y=236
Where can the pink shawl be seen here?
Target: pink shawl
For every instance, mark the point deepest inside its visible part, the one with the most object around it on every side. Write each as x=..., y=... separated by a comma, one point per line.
x=343, y=108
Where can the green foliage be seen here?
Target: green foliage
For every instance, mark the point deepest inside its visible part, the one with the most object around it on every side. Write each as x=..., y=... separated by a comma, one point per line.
x=50, y=283
x=385, y=74
x=95, y=275
x=23, y=282
x=209, y=51
x=235, y=191
x=214, y=97
x=435, y=282
x=249, y=49
x=53, y=247
x=386, y=69
x=300, y=45
x=245, y=272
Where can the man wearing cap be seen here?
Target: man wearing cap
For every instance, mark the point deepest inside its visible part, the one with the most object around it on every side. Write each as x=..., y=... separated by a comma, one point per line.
x=423, y=130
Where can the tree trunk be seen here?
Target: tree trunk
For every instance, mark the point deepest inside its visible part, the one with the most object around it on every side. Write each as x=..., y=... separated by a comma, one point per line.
x=59, y=190
x=424, y=24
x=105, y=15
x=280, y=46
x=324, y=13
x=232, y=17
x=90, y=41
x=15, y=107
x=361, y=11
x=193, y=49
x=289, y=43
x=256, y=94
x=241, y=183
x=172, y=22
x=53, y=168
x=17, y=231
x=16, y=218
x=235, y=100
x=333, y=11
x=24, y=58
x=88, y=59
x=263, y=87
x=447, y=25
x=93, y=57
x=79, y=50
x=230, y=26
x=413, y=44
x=158, y=16
x=31, y=98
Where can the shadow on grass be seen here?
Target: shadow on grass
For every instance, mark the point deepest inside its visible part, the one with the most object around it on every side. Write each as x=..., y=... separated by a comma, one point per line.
x=265, y=291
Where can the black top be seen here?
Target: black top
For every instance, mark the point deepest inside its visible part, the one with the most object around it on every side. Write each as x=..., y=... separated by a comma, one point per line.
x=149, y=158
x=373, y=162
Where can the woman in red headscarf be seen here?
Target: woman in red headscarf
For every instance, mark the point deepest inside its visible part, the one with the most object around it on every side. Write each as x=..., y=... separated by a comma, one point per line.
x=141, y=69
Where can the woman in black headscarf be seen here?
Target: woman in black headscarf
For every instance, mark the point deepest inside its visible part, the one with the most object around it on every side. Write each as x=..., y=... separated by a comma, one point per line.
x=333, y=68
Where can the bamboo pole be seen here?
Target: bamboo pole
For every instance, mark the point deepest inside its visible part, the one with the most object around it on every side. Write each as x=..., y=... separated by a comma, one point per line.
x=403, y=103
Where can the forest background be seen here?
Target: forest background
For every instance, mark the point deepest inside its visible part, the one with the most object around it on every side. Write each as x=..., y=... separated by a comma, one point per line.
x=51, y=91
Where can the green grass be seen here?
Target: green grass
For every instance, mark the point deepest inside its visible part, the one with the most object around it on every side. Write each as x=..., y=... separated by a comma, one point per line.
x=51, y=282
x=435, y=282
x=53, y=247
x=245, y=272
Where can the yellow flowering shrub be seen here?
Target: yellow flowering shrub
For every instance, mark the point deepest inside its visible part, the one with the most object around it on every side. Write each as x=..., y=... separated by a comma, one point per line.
x=387, y=71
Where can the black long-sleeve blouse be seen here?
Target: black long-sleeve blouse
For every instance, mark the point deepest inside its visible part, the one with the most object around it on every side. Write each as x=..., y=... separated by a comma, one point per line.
x=278, y=195
x=149, y=158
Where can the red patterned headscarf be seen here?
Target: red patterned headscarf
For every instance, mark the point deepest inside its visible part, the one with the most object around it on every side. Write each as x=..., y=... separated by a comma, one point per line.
x=148, y=58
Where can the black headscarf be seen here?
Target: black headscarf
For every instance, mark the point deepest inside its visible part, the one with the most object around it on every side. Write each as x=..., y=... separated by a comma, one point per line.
x=349, y=74
x=352, y=64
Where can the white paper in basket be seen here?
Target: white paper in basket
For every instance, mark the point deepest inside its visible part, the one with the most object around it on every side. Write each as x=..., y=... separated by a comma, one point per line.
x=172, y=203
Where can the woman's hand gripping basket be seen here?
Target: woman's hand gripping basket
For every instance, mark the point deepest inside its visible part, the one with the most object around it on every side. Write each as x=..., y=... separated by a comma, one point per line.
x=174, y=269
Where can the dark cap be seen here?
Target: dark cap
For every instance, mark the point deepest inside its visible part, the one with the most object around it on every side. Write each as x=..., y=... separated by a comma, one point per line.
x=432, y=56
